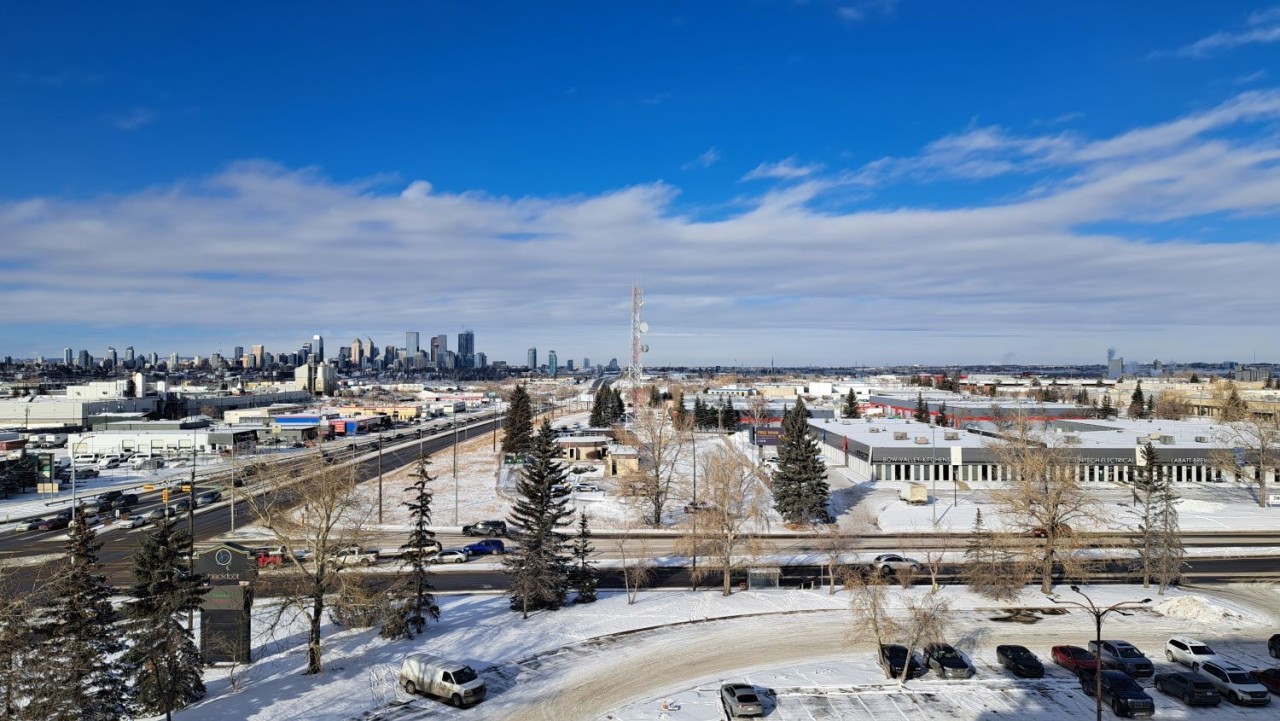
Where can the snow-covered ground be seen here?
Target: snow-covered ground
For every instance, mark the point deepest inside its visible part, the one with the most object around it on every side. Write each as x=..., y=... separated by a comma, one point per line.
x=666, y=656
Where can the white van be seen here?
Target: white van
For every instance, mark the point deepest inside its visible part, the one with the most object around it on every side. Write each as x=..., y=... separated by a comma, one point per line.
x=107, y=462
x=435, y=676
x=141, y=459
x=85, y=459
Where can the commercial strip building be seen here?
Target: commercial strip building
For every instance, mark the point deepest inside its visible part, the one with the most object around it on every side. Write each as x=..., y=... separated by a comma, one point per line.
x=899, y=449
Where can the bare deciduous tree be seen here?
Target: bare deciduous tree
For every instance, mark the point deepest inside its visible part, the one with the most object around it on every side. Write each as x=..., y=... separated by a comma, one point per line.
x=922, y=617
x=636, y=563
x=995, y=563
x=661, y=446
x=736, y=502
x=1043, y=499
x=1249, y=448
x=312, y=517
x=832, y=542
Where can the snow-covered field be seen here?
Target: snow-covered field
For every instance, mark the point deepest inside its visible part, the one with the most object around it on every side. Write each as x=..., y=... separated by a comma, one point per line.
x=666, y=656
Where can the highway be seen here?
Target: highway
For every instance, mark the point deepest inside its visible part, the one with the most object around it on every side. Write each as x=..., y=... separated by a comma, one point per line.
x=214, y=522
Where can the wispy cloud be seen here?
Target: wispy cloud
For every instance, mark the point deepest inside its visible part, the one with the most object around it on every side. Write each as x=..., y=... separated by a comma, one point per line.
x=705, y=160
x=787, y=169
x=135, y=118
x=1251, y=77
x=1261, y=27
x=656, y=99
x=862, y=9
x=1065, y=250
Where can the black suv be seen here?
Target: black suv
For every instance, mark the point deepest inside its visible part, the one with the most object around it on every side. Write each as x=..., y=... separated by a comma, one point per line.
x=1273, y=646
x=893, y=657
x=127, y=500
x=485, y=528
x=105, y=500
x=1124, y=695
x=1192, y=688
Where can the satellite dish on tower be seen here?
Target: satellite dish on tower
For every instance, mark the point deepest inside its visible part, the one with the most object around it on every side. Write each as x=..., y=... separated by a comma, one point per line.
x=644, y=349
x=644, y=327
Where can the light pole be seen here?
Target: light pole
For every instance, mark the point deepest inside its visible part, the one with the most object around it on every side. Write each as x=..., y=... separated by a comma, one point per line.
x=379, y=477
x=1098, y=614
x=933, y=470
x=455, y=468
x=693, y=441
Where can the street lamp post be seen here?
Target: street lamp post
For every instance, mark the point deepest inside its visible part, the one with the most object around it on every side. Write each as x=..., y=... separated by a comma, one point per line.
x=1098, y=614
x=693, y=442
x=379, y=477
x=455, y=469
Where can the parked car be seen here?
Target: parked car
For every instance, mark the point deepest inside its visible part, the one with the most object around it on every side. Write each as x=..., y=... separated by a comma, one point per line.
x=887, y=563
x=108, y=462
x=448, y=555
x=1122, y=693
x=127, y=500
x=1060, y=529
x=1269, y=677
x=586, y=488
x=485, y=528
x=1123, y=656
x=946, y=661
x=1236, y=684
x=83, y=472
x=894, y=657
x=489, y=546
x=1074, y=658
x=1193, y=688
x=560, y=489
x=435, y=676
x=1273, y=646
x=740, y=700
x=265, y=556
x=1188, y=651
x=1020, y=661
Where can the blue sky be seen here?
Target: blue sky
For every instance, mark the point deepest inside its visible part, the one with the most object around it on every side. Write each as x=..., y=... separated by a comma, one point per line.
x=813, y=182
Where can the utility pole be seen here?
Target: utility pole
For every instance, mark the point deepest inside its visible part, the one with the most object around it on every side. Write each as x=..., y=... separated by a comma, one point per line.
x=379, y=477
x=455, y=469
x=191, y=527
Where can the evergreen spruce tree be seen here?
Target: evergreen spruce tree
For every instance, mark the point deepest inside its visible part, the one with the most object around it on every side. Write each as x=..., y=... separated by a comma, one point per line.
x=1195, y=378
x=598, y=410
x=617, y=408
x=582, y=577
x=162, y=655
x=850, y=408
x=1151, y=407
x=655, y=398
x=1107, y=410
x=81, y=641
x=418, y=550
x=1234, y=409
x=728, y=417
x=800, y=490
x=518, y=427
x=922, y=409
x=1137, y=403
x=538, y=569
x=942, y=419
x=699, y=414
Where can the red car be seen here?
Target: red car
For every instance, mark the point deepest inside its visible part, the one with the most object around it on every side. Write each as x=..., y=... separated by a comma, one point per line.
x=1074, y=658
x=1269, y=677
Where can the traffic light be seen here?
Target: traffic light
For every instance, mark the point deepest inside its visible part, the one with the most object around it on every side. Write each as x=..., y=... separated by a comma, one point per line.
x=164, y=496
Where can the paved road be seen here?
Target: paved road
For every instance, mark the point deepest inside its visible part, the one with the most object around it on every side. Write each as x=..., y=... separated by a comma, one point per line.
x=119, y=545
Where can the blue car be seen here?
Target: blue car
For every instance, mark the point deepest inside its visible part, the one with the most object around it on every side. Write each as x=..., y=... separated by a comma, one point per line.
x=485, y=547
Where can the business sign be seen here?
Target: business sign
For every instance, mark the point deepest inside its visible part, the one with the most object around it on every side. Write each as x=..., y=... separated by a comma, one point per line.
x=768, y=436
x=226, y=563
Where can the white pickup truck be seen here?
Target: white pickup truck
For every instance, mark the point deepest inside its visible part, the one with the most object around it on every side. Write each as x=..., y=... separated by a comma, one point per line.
x=354, y=556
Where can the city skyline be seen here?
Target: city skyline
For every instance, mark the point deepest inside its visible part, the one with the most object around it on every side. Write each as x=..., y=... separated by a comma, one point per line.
x=820, y=183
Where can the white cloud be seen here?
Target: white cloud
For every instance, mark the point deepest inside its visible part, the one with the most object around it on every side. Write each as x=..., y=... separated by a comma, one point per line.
x=787, y=169
x=705, y=160
x=1056, y=273
x=135, y=118
x=1262, y=27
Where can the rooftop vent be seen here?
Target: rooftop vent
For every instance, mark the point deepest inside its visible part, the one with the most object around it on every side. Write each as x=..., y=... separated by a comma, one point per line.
x=874, y=429
x=1071, y=440
x=899, y=435
x=1202, y=439
x=922, y=440
x=951, y=436
x=1154, y=437
x=1167, y=440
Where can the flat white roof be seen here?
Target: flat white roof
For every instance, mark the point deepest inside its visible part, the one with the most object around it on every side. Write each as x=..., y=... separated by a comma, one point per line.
x=879, y=432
